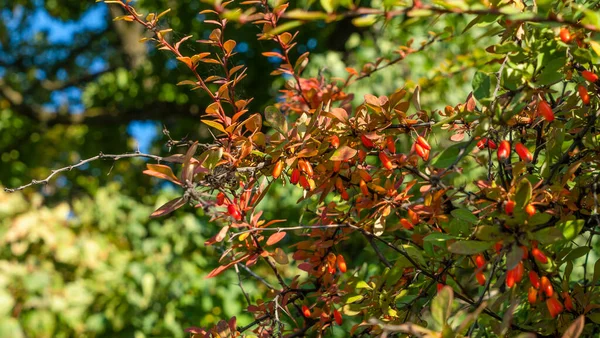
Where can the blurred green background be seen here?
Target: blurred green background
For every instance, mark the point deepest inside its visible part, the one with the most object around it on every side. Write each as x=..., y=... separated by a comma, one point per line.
x=80, y=257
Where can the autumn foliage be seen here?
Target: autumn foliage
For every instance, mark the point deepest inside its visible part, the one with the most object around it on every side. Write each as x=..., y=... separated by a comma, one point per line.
x=511, y=251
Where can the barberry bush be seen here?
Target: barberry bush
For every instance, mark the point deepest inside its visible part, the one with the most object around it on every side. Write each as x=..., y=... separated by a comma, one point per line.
x=479, y=216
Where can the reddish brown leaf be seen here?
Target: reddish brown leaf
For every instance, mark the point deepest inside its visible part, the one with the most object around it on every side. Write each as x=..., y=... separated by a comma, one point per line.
x=168, y=207
x=343, y=153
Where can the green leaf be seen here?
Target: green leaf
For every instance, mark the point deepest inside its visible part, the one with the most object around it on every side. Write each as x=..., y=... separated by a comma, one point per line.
x=441, y=306
x=274, y=118
x=596, y=272
x=484, y=85
x=548, y=235
x=363, y=285
x=514, y=256
x=466, y=247
x=488, y=233
x=465, y=215
x=364, y=21
x=571, y=228
x=448, y=156
x=523, y=194
x=539, y=218
x=576, y=253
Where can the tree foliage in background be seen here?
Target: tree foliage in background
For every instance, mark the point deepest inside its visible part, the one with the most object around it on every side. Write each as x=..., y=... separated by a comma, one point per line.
x=479, y=211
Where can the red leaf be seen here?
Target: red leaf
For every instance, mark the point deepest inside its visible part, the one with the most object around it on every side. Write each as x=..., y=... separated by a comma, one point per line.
x=276, y=237
x=305, y=267
x=217, y=271
x=168, y=207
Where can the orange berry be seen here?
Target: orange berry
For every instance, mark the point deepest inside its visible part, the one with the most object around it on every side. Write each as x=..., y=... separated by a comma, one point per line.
x=532, y=295
x=306, y=167
x=440, y=286
x=523, y=152
x=363, y=188
x=341, y=262
x=565, y=35
x=545, y=110
x=305, y=311
x=480, y=278
x=589, y=76
x=423, y=143
x=546, y=286
x=277, y=169
x=334, y=141
x=421, y=151
x=386, y=161
x=530, y=210
x=583, y=93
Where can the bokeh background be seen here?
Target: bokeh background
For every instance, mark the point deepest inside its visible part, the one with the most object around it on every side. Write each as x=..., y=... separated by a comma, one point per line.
x=80, y=257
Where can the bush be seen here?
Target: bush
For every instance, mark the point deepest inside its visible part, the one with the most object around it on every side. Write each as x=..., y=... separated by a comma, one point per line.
x=478, y=217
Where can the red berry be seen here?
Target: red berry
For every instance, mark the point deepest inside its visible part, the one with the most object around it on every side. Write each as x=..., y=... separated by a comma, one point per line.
x=509, y=207
x=554, y=307
x=534, y=279
x=568, y=301
x=305, y=311
x=295, y=176
x=510, y=278
x=545, y=110
x=480, y=278
x=565, y=35
x=234, y=212
x=220, y=198
x=503, y=151
x=390, y=144
x=523, y=152
x=590, y=76
x=337, y=316
x=366, y=141
x=479, y=261
x=583, y=93
x=539, y=255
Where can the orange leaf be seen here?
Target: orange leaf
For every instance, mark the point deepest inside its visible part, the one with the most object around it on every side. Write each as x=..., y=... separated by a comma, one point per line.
x=161, y=171
x=276, y=237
